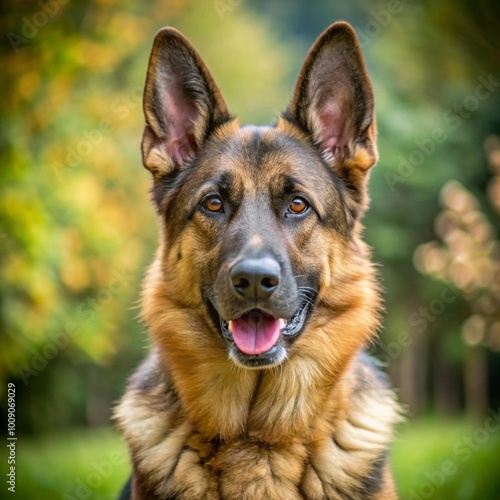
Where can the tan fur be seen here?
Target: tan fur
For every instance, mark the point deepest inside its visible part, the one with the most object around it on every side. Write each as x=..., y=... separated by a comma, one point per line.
x=318, y=425
x=328, y=459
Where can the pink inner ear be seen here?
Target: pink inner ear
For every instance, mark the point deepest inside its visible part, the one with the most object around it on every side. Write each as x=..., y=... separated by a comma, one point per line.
x=180, y=117
x=332, y=127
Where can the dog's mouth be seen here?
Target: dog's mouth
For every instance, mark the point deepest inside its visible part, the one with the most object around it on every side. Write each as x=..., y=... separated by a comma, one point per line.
x=255, y=332
x=256, y=339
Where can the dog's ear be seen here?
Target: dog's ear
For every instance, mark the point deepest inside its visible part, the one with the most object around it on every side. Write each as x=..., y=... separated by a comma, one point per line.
x=182, y=104
x=333, y=103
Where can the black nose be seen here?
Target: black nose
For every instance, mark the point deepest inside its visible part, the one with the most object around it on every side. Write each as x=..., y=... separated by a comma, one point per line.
x=255, y=279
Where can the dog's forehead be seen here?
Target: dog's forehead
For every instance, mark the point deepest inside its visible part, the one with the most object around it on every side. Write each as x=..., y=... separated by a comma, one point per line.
x=262, y=153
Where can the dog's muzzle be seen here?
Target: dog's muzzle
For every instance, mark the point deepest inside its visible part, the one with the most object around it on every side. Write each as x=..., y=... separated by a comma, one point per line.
x=257, y=339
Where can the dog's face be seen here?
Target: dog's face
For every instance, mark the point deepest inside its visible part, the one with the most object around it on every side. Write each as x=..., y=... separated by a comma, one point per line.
x=260, y=223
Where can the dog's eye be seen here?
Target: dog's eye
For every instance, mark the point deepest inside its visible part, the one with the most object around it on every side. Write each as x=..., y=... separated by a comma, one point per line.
x=213, y=204
x=298, y=205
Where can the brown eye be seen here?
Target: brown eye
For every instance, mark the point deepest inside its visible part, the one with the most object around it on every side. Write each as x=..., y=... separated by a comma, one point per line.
x=213, y=204
x=298, y=205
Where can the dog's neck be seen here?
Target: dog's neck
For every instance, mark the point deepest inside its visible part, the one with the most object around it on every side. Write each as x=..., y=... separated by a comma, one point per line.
x=272, y=406
x=255, y=412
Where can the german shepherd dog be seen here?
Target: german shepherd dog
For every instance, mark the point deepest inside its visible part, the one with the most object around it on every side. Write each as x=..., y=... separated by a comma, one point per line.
x=262, y=296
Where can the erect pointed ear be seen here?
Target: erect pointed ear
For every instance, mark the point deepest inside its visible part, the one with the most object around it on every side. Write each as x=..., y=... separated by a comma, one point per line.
x=333, y=103
x=182, y=103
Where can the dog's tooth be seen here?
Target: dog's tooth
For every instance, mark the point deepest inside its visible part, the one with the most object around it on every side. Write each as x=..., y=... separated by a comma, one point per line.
x=230, y=326
x=282, y=323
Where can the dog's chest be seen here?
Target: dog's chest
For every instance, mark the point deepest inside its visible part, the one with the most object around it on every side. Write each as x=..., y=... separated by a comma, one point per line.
x=291, y=471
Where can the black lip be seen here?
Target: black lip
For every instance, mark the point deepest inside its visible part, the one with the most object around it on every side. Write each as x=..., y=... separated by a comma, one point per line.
x=277, y=354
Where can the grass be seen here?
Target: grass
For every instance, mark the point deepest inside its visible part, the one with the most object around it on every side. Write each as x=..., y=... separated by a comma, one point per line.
x=449, y=460
x=72, y=465
x=431, y=459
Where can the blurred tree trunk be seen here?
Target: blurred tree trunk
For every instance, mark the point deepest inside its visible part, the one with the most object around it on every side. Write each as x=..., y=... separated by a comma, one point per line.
x=476, y=382
x=413, y=374
x=98, y=398
x=446, y=386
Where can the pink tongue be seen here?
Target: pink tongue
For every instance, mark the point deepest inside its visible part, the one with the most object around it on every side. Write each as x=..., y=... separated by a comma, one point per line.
x=255, y=333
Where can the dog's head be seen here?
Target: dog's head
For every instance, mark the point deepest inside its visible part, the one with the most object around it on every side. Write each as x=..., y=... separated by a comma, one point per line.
x=261, y=223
